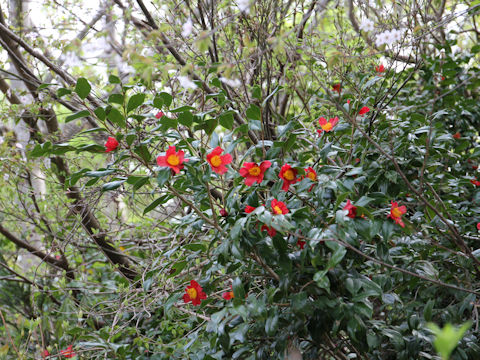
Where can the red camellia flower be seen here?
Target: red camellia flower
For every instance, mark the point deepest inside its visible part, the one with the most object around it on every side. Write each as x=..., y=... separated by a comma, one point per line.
x=172, y=159
x=312, y=175
x=475, y=182
x=288, y=175
x=249, y=209
x=223, y=213
x=278, y=207
x=228, y=295
x=45, y=353
x=217, y=161
x=379, y=68
x=337, y=88
x=194, y=293
x=478, y=226
x=396, y=213
x=363, y=110
x=111, y=144
x=270, y=230
x=301, y=243
x=68, y=352
x=253, y=172
x=352, y=210
x=159, y=114
x=327, y=126
x=457, y=135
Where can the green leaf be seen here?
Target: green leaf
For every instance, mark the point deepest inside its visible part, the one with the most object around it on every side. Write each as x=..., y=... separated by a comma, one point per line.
x=41, y=149
x=185, y=118
x=253, y=112
x=257, y=92
x=82, y=88
x=182, y=109
x=112, y=79
x=77, y=115
x=63, y=91
x=178, y=267
x=153, y=205
x=447, y=339
x=116, y=99
x=238, y=289
x=113, y=185
x=99, y=173
x=226, y=120
x=195, y=247
x=158, y=102
x=163, y=176
x=135, y=101
x=168, y=123
x=116, y=117
x=143, y=152
x=336, y=257
x=100, y=112
x=167, y=98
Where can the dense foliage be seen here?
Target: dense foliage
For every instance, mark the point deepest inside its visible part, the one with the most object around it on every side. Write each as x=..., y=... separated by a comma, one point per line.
x=243, y=185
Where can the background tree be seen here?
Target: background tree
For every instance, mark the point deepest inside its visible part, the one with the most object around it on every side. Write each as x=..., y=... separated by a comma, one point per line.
x=338, y=217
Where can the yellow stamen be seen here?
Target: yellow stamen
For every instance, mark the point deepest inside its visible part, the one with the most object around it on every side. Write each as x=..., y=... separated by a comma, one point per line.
x=173, y=160
x=396, y=212
x=277, y=210
x=255, y=171
x=192, y=292
x=289, y=175
x=311, y=176
x=327, y=127
x=216, y=161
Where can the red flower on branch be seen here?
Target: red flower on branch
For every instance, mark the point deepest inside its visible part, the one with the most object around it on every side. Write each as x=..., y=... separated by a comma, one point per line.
x=194, y=293
x=475, y=182
x=312, y=175
x=45, y=353
x=253, y=172
x=249, y=209
x=228, y=295
x=217, y=161
x=172, y=159
x=288, y=175
x=68, y=352
x=396, y=213
x=278, y=207
x=223, y=213
x=380, y=69
x=159, y=114
x=301, y=244
x=478, y=226
x=457, y=135
x=363, y=110
x=337, y=88
x=327, y=126
x=270, y=230
x=352, y=210
x=111, y=144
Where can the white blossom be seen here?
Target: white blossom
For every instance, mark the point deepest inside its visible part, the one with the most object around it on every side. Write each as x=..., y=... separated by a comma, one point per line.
x=388, y=37
x=244, y=6
x=366, y=25
x=70, y=59
x=231, y=82
x=187, y=28
x=6, y=177
x=186, y=83
x=2, y=139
